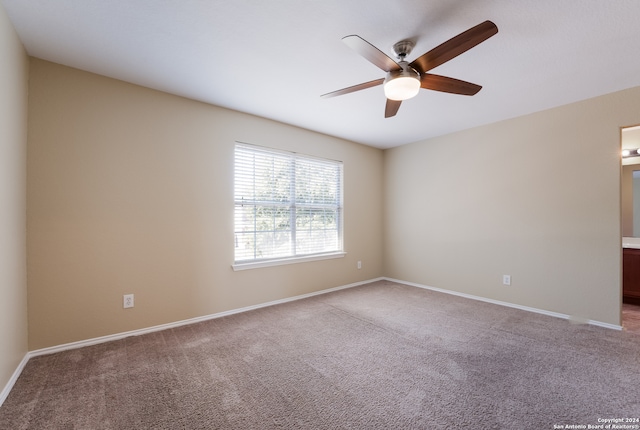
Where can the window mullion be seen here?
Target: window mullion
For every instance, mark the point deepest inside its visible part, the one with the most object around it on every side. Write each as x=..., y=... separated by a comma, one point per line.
x=255, y=208
x=292, y=207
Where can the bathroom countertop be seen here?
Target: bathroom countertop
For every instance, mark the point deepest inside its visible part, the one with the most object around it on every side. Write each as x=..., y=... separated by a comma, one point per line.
x=631, y=242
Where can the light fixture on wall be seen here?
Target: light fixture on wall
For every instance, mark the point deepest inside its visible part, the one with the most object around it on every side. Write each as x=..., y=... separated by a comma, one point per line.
x=626, y=153
x=402, y=84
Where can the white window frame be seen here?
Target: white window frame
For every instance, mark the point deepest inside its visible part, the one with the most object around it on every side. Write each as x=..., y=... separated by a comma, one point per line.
x=293, y=258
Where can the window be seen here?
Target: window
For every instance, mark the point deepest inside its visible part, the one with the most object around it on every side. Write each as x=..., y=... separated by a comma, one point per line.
x=287, y=206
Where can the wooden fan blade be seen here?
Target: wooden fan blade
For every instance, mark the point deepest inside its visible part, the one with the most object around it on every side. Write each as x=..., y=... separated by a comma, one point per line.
x=391, y=109
x=358, y=87
x=448, y=85
x=371, y=53
x=454, y=46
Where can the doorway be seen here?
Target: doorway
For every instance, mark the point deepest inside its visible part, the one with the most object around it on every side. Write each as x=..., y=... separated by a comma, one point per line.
x=630, y=208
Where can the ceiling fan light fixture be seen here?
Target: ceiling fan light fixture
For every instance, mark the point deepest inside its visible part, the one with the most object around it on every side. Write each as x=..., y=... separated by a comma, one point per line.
x=402, y=84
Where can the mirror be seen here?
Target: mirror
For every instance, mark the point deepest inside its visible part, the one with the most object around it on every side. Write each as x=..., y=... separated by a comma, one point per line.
x=630, y=187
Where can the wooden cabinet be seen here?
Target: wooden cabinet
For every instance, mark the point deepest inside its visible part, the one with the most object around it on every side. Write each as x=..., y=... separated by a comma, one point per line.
x=631, y=275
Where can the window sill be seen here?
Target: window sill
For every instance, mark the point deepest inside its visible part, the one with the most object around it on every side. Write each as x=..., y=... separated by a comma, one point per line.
x=279, y=262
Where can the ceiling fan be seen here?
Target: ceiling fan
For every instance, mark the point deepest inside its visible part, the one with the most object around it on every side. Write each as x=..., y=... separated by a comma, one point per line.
x=405, y=79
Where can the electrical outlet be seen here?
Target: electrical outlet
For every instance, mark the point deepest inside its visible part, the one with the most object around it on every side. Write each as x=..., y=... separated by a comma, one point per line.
x=359, y=264
x=506, y=279
x=127, y=301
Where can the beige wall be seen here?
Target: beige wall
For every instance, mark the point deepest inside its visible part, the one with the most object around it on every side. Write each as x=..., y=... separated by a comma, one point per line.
x=536, y=197
x=13, y=144
x=130, y=191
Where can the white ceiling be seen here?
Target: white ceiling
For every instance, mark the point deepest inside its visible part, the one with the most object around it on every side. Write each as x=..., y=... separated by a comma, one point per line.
x=275, y=58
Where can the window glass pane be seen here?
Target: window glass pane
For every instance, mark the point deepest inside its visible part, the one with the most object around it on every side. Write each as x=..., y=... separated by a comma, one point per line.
x=316, y=230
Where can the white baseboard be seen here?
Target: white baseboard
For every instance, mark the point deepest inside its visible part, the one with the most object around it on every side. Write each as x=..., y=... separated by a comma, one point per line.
x=509, y=305
x=14, y=377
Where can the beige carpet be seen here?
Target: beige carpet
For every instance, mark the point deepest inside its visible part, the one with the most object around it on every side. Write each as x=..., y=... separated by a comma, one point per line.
x=379, y=356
